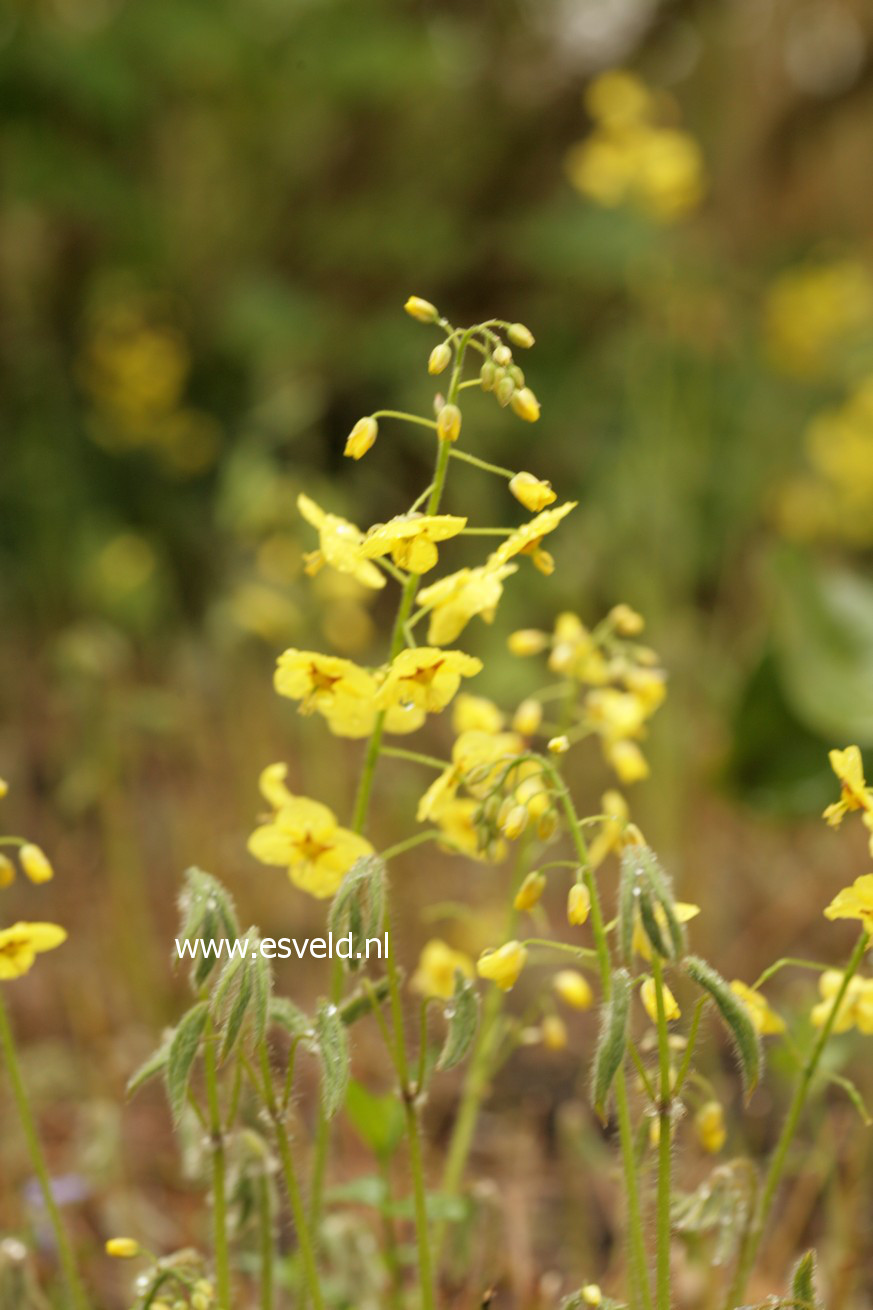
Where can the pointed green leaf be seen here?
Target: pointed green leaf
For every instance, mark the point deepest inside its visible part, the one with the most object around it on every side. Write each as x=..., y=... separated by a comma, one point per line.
x=803, y=1295
x=736, y=1018
x=184, y=1045
x=612, y=1042
x=462, y=1013
x=359, y=905
x=333, y=1049
x=378, y=1120
x=150, y=1068
x=364, y=1001
x=285, y=1014
x=627, y=904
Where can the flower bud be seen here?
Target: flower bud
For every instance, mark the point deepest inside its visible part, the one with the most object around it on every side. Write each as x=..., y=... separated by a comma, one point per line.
x=527, y=717
x=543, y=561
x=361, y=438
x=547, y=826
x=488, y=375
x=626, y=621
x=649, y=998
x=526, y=405
x=554, y=1032
x=505, y=390
x=449, y=423
x=573, y=989
x=531, y=492
x=423, y=310
x=578, y=904
x=527, y=641
x=440, y=358
x=504, y=965
x=516, y=374
x=520, y=336
x=35, y=863
x=7, y=870
x=4, y=788
x=530, y=891
x=709, y=1127
x=122, y=1248
x=515, y=822
x=559, y=745
x=502, y=356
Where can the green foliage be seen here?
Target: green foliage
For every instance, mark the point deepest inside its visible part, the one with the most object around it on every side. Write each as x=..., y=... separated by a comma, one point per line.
x=612, y=1042
x=735, y=1015
x=333, y=1049
x=182, y=1052
x=378, y=1120
x=462, y=1013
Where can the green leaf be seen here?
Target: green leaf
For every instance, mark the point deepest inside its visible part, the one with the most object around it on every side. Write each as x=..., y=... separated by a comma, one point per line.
x=262, y=987
x=462, y=1013
x=651, y=927
x=184, y=1045
x=333, y=1049
x=627, y=903
x=207, y=914
x=803, y=1295
x=150, y=1068
x=662, y=891
x=378, y=1120
x=359, y=905
x=285, y=1014
x=364, y=1001
x=612, y=1041
x=736, y=1018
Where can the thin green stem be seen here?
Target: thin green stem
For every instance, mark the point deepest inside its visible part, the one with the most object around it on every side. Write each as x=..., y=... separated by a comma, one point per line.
x=219, y=1172
x=417, y=839
x=662, y=1278
x=76, y=1292
x=407, y=418
x=482, y=464
x=414, y=757
x=267, y=1245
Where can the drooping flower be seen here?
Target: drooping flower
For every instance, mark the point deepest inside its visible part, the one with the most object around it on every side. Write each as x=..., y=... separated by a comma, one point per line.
x=339, y=545
x=649, y=998
x=856, y=1007
x=305, y=838
x=35, y=863
x=421, y=309
x=854, y=792
x=710, y=1128
x=855, y=902
x=426, y=678
x=611, y=833
x=531, y=890
x=20, y=945
x=578, y=904
x=455, y=599
x=503, y=965
x=527, y=539
x=684, y=911
x=574, y=989
x=411, y=539
x=766, y=1021
x=476, y=713
x=437, y=966
x=553, y=1032
x=361, y=438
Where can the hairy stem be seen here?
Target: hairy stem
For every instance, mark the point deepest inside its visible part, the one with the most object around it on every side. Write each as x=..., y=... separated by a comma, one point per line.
x=662, y=1279
x=219, y=1174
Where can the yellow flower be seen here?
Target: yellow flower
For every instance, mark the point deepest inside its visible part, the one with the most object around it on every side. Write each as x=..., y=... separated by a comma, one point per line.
x=648, y=996
x=437, y=966
x=35, y=863
x=123, y=1248
x=526, y=539
x=426, y=678
x=272, y=786
x=574, y=989
x=439, y=358
x=7, y=871
x=812, y=313
x=618, y=98
x=554, y=1033
x=591, y=1294
x=4, y=788
x=532, y=492
x=525, y=404
x=410, y=539
x=457, y=598
x=854, y=792
x=856, y=1007
x=709, y=1127
x=449, y=423
x=339, y=545
x=558, y=745
x=423, y=310
x=626, y=621
x=855, y=902
x=503, y=965
x=578, y=904
x=766, y=1021
x=627, y=759
x=20, y=945
x=474, y=753
x=456, y=820
x=476, y=713
x=611, y=834
x=322, y=682
x=685, y=912
x=305, y=838
x=528, y=717
x=361, y=438
x=530, y=891
x=527, y=641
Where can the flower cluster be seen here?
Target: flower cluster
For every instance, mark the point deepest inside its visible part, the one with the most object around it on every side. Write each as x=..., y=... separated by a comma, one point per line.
x=814, y=314
x=23, y=941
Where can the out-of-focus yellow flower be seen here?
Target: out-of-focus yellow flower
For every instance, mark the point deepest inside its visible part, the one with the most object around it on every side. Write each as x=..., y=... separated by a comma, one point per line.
x=626, y=621
x=361, y=438
x=617, y=98
x=628, y=760
x=426, y=678
x=20, y=945
x=476, y=757
x=422, y=310
x=648, y=996
x=813, y=313
x=456, y=820
x=558, y=745
x=526, y=539
x=503, y=966
x=855, y=902
x=305, y=838
x=35, y=863
x=4, y=788
x=766, y=1021
x=591, y=1294
x=856, y=1007
x=437, y=966
x=527, y=641
x=449, y=423
x=710, y=1128
x=530, y=892
x=339, y=545
x=611, y=833
x=578, y=904
x=411, y=539
x=854, y=792
x=525, y=405
x=457, y=598
x=685, y=912
x=528, y=717
x=475, y=714
x=123, y=1248
x=532, y=492
x=7, y=871
x=554, y=1032
x=273, y=787
x=574, y=989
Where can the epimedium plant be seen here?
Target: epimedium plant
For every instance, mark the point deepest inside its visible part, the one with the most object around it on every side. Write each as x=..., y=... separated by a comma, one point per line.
x=230, y=1065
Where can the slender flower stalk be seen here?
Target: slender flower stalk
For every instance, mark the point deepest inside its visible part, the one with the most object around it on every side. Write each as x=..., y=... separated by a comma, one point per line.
x=662, y=1277
x=219, y=1172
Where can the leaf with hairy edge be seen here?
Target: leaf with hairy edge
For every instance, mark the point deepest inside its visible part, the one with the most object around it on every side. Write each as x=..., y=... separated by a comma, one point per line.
x=651, y=927
x=208, y=914
x=364, y=1001
x=285, y=1014
x=662, y=891
x=150, y=1068
x=803, y=1295
x=612, y=1042
x=736, y=1018
x=627, y=901
x=359, y=905
x=333, y=1049
x=462, y=1013
x=184, y=1045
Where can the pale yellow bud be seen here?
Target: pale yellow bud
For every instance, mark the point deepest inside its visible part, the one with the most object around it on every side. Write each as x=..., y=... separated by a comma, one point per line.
x=578, y=904
x=628, y=761
x=527, y=641
x=547, y=825
x=122, y=1248
x=526, y=405
x=7, y=870
x=502, y=356
x=440, y=358
x=423, y=310
x=573, y=989
x=505, y=390
x=449, y=423
x=35, y=863
x=520, y=336
x=527, y=718
x=515, y=822
x=554, y=1032
x=543, y=561
x=487, y=375
x=626, y=621
x=531, y=492
x=530, y=891
x=504, y=965
x=4, y=788
x=649, y=998
x=709, y=1127
x=559, y=745
x=361, y=438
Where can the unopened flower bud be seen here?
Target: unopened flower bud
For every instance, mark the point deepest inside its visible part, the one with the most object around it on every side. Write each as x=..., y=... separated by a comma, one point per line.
x=574, y=989
x=487, y=375
x=709, y=1127
x=440, y=358
x=423, y=310
x=530, y=891
x=547, y=825
x=7, y=870
x=122, y=1248
x=527, y=641
x=527, y=717
x=449, y=423
x=554, y=1032
x=520, y=336
x=502, y=356
x=35, y=863
x=4, y=788
x=515, y=822
x=559, y=745
x=578, y=904
x=649, y=998
x=591, y=1294
x=361, y=438
x=531, y=492
x=526, y=405
x=503, y=965
x=626, y=621
x=505, y=390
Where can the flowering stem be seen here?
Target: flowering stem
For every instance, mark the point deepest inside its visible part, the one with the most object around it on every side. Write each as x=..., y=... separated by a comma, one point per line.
x=418, y=839
x=265, y=1220
x=482, y=464
x=219, y=1168
x=430, y=761
x=407, y=418
x=755, y=1233
x=662, y=1279
x=77, y=1296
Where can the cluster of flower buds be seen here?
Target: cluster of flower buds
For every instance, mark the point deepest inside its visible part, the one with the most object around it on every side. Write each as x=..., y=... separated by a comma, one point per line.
x=505, y=379
x=520, y=802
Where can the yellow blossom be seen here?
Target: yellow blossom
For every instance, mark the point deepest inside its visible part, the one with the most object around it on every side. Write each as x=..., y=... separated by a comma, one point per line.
x=766, y=1021
x=339, y=545
x=648, y=996
x=361, y=438
x=322, y=682
x=554, y=1033
x=7, y=871
x=530, y=891
x=626, y=621
x=456, y=820
x=449, y=423
x=610, y=835
x=627, y=759
x=305, y=838
x=527, y=641
x=559, y=745
x=855, y=902
x=526, y=539
x=525, y=404
x=854, y=792
x=531, y=492
x=503, y=966
x=123, y=1248
x=574, y=989
x=684, y=911
x=20, y=945
x=272, y=785
x=457, y=598
x=813, y=312
x=618, y=98
x=710, y=1128
x=476, y=757
x=856, y=1007
x=426, y=678
x=578, y=904
x=423, y=310
x=411, y=539
x=439, y=358
x=591, y=1294
x=475, y=713
x=437, y=966
x=528, y=717
x=35, y=863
